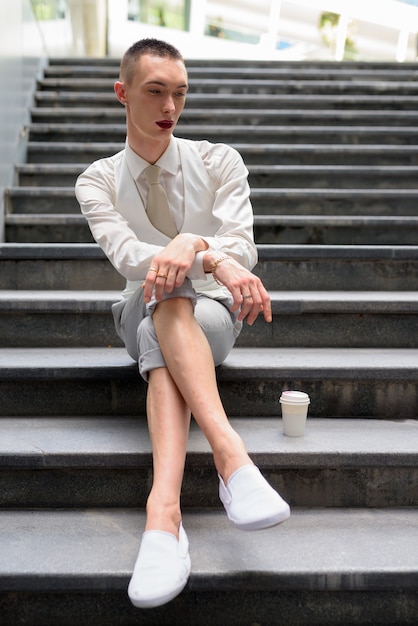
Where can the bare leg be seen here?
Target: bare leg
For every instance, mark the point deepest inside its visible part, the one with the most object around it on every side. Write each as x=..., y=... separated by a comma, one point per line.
x=168, y=423
x=190, y=363
x=188, y=383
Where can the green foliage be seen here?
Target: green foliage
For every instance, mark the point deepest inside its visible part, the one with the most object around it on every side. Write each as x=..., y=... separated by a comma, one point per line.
x=45, y=9
x=328, y=26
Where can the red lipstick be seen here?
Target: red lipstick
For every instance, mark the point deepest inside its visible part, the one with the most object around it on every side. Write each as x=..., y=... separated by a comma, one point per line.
x=165, y=124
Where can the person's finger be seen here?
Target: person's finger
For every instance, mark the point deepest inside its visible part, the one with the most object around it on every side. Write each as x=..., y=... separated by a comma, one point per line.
x=246, y=304
x=266, y=304
x=160, y=284
x=254, y=302
x=148, y=285
x=236, y=295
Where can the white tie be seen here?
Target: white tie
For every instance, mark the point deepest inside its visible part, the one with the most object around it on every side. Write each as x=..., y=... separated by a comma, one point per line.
x=157, y=207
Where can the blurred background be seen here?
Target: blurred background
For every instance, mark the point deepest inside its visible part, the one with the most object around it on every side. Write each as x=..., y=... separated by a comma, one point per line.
x=32, y=31
x=290, y=29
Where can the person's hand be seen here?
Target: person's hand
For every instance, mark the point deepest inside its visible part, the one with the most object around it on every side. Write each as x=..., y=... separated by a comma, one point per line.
x=169, y=268
x=247, y=290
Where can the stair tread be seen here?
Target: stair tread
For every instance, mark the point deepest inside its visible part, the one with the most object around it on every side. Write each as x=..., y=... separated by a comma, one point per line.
x=52, y=218
x=240, y=146
x=259, y=112
x=58, y=442
x=337, y=220
x=361, y=83
x=74, y=168
x=59, y=71
x=95, y=549
x=296, y=220
x=259, y=100
x=282, y=301
x=315, y=363
x=267, y=252
x=226, y=62
x=259, y=148
x=70, y=127
x=42, y=191
x=70, y=300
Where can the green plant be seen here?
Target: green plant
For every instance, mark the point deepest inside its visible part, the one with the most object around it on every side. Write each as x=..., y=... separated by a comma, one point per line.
x=328, y=26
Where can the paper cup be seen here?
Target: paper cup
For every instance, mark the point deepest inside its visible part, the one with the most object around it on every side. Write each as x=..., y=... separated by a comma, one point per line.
x=294, y=412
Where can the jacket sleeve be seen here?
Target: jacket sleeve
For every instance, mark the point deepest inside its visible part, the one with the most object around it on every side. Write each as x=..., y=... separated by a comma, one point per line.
x=232, y=209
x=96, y=193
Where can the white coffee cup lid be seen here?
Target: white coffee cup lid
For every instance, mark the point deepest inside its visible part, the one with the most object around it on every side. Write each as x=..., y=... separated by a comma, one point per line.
x=294, y=397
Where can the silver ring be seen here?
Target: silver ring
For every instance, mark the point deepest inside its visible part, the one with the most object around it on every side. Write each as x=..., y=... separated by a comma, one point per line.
x=245, y=297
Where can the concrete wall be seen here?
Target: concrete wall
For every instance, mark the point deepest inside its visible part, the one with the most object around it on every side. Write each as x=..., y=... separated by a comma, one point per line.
x=21, y=60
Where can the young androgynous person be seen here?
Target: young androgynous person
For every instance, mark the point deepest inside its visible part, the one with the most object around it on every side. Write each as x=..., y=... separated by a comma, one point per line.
x=187, y=257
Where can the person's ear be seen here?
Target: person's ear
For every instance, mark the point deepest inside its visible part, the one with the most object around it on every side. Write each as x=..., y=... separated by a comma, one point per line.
x=120, y=91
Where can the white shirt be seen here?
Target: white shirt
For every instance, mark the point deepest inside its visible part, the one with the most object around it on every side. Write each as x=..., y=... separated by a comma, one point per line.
x=171, y=178
x=208, y=192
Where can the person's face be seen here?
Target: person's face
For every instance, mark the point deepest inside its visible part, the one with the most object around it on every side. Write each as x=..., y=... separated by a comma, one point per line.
x=155, y=98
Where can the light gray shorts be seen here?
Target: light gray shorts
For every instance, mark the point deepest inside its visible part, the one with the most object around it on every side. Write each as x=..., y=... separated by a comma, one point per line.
x=134, y=325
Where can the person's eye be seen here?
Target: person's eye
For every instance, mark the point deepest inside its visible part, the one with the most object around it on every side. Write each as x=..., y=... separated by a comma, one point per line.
x=154, y=91
x=180, y=94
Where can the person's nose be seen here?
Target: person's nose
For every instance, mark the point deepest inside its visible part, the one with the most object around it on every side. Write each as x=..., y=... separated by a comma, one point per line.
x=169, y=106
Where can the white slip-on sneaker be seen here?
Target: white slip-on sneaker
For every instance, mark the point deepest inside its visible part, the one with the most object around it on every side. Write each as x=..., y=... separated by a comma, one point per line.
x=250, y=502
x=161, y=570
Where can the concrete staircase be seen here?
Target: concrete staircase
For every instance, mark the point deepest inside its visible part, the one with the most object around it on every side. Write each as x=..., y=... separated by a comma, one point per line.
x=333, y=157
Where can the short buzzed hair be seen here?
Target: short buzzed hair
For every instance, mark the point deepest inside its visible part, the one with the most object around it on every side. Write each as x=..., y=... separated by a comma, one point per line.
x=145, y=46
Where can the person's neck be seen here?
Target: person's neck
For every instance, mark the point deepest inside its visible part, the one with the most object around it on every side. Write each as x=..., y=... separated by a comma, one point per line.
x=148, y=150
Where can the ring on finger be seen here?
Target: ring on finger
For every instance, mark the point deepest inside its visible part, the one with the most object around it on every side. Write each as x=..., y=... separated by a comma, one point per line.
x=152, y=269
x=161, y=275
x=247, y=296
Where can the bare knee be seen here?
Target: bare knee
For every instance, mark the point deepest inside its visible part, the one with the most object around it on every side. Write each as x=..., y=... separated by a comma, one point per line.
x=173, y=309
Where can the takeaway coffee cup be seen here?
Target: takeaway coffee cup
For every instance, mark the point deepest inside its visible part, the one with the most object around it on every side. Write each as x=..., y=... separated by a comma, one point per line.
x=294, y=412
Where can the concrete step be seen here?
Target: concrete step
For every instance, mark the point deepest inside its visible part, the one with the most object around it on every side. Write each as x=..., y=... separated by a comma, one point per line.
x=340, y=566
x=300, y=319
x=252, y=85
x=327, y=268
x=317, y=64
x=268, y=229
x=41, y=200
x=338, y=202
x=57, y=318
x=213, y=101
x=295, y=201
x=281, y=267
x=230, y=133
x=241, y=116
x=334, y=229
x=282, y=70
x=48, y=174
x=72, y=462
x=261, y=176
x=47, y=228
x=252, y=153
x=342, y=382
x=333, y=176
x=55, y=267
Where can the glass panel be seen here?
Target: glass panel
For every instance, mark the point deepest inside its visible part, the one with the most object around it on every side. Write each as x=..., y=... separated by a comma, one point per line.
x=49, y=9
x=170, y=13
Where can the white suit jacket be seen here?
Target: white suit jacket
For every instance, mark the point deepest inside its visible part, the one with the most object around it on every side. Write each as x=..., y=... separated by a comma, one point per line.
x=216, y=207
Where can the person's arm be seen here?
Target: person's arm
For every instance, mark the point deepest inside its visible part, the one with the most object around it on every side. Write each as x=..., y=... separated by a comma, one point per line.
x=247, y=290
x=233, y=253
x=230, y=253
x=95, y=192
x=232, y=207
